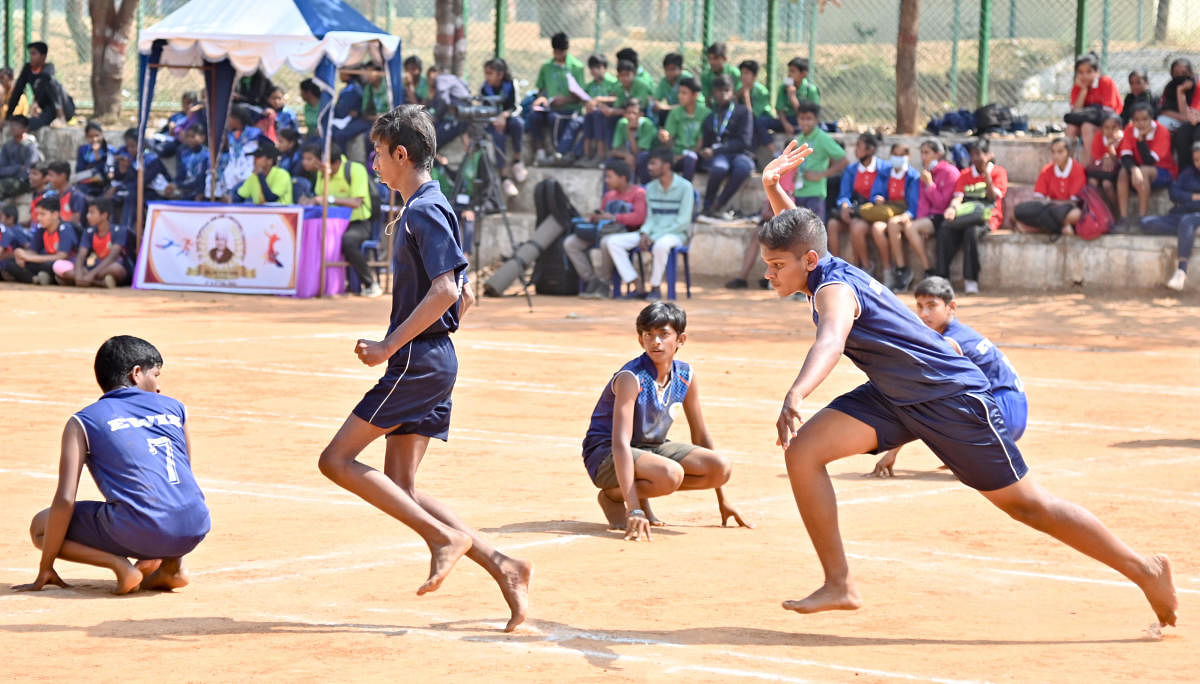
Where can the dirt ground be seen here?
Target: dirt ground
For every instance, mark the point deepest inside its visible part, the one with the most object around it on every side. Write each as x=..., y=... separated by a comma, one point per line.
x=301, y=581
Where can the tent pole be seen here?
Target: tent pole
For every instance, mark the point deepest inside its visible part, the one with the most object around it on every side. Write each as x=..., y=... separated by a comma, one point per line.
x=143, y=114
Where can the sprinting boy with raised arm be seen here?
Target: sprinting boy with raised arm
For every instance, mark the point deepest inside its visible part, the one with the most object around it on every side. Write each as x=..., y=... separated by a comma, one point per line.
x=917, y=388
x=135, y=443
x=626, y=450
x=937, y=308
x=411, y=402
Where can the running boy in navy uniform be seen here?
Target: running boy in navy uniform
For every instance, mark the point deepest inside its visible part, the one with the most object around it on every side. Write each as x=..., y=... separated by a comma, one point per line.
x=411, y=402
x=135, y=443
x=937, y=308
x=626, y=450
x=917, y=388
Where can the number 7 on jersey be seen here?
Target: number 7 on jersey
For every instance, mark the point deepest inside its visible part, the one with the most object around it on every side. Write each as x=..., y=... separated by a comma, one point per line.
x=164, y=443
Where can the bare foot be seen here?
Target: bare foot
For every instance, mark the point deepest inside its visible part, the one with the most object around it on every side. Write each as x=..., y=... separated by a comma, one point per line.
x=654, y=521
x=1160, y=589
x=129, y=578
x=443, y=558
x=169, y=575
x=515, y=587
x=613, y=510
x=827, y=598
x=148, y=565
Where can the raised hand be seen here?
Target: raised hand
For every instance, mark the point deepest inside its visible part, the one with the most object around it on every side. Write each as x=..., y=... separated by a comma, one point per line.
x=792, y=157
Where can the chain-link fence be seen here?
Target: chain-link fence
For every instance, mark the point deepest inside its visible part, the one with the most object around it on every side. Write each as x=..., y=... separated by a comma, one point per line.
x=852, y=47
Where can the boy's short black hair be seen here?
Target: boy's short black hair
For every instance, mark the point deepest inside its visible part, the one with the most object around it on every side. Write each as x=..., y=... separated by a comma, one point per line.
x=309, y=86
x=722, y=82
x=1140, y=73
x=117, y=358
x=241, y=114
x=131, y=134
x=560, y=41
x=749, y=65
x=103, y=205
x=412, y=127
x=40, y=47
x=981, y=143
x=626, y=66
x=9, y=211
x=92, y=125
x=49, y=204
x=628, y=54
x=663, y=154
x=799, y=64
x=19, y=119
x=673, y=59
x=809, y=107
x=289, y=134
x=632, y=102
x=1141, y=107
x=797, y=230
x=660, y=314
x=717, y=49
x=200, y=129
x=60, y=167
x=1090, y=59
x=618, y=166
x=597, y=60
x=935, y=286
x=313, y=148
x=689, y=83
x=413, y=61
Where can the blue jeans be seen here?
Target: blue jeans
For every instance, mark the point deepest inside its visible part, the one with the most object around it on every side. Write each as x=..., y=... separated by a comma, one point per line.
x=1183, y=226
x=642, y=169
x=685, y=165
x=514, y=132
x=763, y=125
x=733, y=170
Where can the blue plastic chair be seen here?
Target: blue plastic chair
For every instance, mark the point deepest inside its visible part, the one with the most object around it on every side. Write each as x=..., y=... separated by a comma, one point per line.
x=672, y=273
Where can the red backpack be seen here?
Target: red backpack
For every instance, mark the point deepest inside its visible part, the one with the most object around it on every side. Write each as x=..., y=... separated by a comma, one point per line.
x=1097, y=218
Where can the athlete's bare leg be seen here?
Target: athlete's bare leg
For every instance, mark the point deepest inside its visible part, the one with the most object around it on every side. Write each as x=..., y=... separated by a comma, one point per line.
x=128, y=577
x=656, y=476
x=167, y=576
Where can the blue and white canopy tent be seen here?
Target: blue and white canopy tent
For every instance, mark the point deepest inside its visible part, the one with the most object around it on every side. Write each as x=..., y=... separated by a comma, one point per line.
x=227, y=38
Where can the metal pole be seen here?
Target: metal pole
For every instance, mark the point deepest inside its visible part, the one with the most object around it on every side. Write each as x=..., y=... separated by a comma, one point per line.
x=1080, y=26
x=985, y=46
x=501, y=25
x=28, y=21
x=387, y=15
x=599, y=11
x=682, y=24
x=8, y=33
x=955, y=29
x=707, y=38
x=1105, y=22
x=772, y=45
x=1140, y=12
x=1012, y=19
x=812, y=39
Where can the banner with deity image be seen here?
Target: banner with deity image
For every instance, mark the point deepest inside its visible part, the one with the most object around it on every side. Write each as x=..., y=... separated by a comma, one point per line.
x=220, y=248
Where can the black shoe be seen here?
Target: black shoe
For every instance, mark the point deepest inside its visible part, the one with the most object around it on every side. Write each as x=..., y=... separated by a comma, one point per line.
x=901, y=279
x=929, y=273
x=764, y=283
x=737, y=284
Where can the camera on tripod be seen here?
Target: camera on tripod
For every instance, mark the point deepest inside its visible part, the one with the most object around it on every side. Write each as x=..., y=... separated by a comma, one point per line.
x=478, y=109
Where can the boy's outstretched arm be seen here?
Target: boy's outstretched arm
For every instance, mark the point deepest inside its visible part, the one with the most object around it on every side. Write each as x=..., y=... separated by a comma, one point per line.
x=792, y=157
x=701, y=438
x=836, y=307
x=625, y=391
x=443, y=293
x=70, y=465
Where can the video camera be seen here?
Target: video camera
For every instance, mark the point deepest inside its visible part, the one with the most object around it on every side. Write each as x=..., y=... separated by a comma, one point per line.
x=478, y=109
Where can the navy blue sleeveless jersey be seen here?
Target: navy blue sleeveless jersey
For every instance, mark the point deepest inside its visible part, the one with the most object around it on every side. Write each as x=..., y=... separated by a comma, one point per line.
x=903, y=358
x=651, y=411
x=995, y=365
x=137, y=454
x=428, y=244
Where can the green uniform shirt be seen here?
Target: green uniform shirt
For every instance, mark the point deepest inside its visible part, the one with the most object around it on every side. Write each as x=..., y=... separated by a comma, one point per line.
x=552, y=80
x=666, y=92
x=685, y=128
x=824, y=151
x=375, y=98
x=760, y=100
x=278, y=180
x=638, y=91
x=706, y=79
x=643, y=76
x=608, y=86
x=647, y=133
x=807, y=90
x=422, y=89
x=311, y=113
x=359, y=186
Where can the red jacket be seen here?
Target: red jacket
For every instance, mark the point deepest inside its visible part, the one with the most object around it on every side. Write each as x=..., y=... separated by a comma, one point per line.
x=1102, y=92
x=1060, y=188
x=1159, y=140
x=1100, y=146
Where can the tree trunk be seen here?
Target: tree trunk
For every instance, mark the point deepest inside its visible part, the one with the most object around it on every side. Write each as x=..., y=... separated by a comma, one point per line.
x=111, y=28
x=907, y=105
x=79, y=32
x=1160, y=22
x=451, y=46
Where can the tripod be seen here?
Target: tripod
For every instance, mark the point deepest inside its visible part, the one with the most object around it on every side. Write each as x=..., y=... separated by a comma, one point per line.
x=484, y=191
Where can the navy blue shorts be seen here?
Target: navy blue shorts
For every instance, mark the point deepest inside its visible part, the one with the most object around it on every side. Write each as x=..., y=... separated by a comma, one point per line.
x=966, y=431
x=96, y=524
x=1014, y=406
x=413, y=396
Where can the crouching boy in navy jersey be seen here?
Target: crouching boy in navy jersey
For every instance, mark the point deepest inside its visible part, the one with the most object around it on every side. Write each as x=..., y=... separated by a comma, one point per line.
x=135, y=443
x=626, y=450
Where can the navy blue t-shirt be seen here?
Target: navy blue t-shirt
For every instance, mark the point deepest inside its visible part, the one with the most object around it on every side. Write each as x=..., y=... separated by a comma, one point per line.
x=427, y=245
x=67, y=241
x=994, y=364
x=905, y=360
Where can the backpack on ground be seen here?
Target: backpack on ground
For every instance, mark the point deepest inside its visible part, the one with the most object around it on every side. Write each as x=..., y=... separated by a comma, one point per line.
x=1097, y=218
x=993, y=118
x=553, y=272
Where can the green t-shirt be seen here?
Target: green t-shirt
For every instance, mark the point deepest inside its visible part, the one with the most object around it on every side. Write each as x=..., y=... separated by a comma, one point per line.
x=824, y=151
x=359, y=186
x=807, y=90
x=638, y=91
x=647, y=133
x=685, y=129
x=375, y=98
x=706, y=79
x=643, y=76
x=311, y=113
x=279, y=182
x=552, y=80
x=608, y=86
x=760, y=100
x=422, y=89
x=669, y=93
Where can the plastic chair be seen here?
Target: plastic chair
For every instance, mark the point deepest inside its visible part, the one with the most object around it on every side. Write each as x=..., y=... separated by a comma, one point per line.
x=672, y=272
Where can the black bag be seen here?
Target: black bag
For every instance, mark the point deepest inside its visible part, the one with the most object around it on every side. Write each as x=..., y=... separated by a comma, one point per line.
x=992, y=118
x=1091, y=114
x=553, y=272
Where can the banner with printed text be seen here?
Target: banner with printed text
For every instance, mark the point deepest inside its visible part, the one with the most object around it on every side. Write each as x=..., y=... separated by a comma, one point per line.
x=220, y=248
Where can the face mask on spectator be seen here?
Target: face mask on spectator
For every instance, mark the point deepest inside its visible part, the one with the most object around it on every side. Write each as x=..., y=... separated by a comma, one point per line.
x=899, y=163
x=933, y=163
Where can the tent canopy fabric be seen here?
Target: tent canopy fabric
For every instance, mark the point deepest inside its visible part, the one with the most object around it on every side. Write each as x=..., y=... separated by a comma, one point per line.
x=267, y=34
